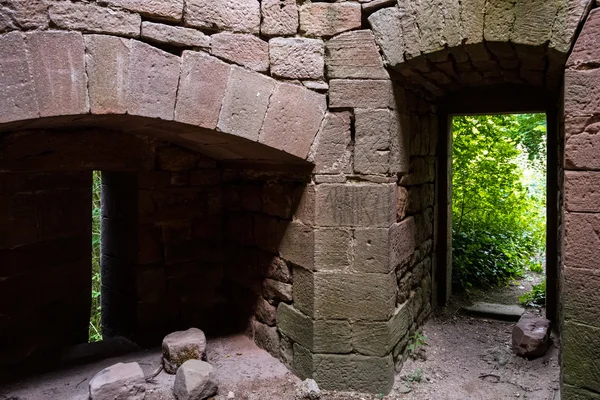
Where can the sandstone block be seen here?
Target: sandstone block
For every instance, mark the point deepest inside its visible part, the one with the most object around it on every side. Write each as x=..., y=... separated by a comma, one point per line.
x=374, y=129
x=582, y=191
x=293, y=119
x=295, y=325
x=279, y=17
x=355, y=205
x=530, y=337
x=580, y=294
x=174, y=35
x=245, y=103
x=277, y=269
x=119, y=381
x=379, y=338
x=266, y=337
x=152, y=88
x=17, y=91
x=195, y=379
x=585, y=49
x=420, y=171
x=404, y=237
x=369, y=297
x=581, y=241
x=227, y=15
x=354, y=372
x=354, y=55
x=361, y=94
x=372, y=250
x=265, y=312
x=107, y=67
x=333, y=249
x=58, y=67
x=275, y=290
x=298, y=244
x=579, y=100
x=304, y=291
x=328, y=19
x=580, y=352
x=531, y=26
x=93, y=18
x=243, y=49
x=179, y=347
x=303, y=364
x=297, y=58
x=169, y=10
x=386, y=23
x=331, y=151
x=582, y=150
x=24, y=14
x=202, y=87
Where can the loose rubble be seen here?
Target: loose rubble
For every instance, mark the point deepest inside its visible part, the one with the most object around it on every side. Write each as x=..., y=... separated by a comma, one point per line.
x=179, y=347
x=195, y=381
x=531, y=337
x=119, y=382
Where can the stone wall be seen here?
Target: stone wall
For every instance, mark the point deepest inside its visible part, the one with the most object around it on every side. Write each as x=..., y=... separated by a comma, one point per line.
x=580, y=328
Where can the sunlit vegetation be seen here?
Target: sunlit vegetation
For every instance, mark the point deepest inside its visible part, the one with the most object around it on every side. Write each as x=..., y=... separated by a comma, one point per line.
x=95, y=326
x=498, y=198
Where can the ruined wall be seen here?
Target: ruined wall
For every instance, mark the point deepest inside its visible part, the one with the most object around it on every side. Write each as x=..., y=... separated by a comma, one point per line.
x=581, y=281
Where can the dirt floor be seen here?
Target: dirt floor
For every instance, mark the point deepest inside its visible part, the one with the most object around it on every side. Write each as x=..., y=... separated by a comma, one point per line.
x=464, y=358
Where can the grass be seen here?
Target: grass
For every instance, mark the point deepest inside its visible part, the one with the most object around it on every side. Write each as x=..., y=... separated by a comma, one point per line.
x=95, y=332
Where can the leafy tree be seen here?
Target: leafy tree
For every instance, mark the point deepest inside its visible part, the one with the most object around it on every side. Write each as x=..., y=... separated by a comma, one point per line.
x=498, y=221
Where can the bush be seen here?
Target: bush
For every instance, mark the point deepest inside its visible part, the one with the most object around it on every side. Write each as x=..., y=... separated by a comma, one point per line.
x=498, y=216
x=535, y=298
x=95, y=334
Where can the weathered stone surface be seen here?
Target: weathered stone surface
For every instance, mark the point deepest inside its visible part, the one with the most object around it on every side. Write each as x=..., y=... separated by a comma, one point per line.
x=228, y=15
x=304, y=290
x=403, y=241
x=361, y=93
x=582, y=191
x=498, y=311
x=328, y=19
x=243, y=49
x=331, y=151
x=24, y=14
x=245, y=103
x=293, y=119
x=279, y=17
x=579, y=100
x=374, y=129
x=195, y=380
x=498, y=15
x=17, y=92
x=531, y=336
x=107, y=67
x=370, y=297
x=297, y=58
x=153, y=86
x=372, y=250
x=174, y=35
x=333, y=249
x=379, y=338
x=93, y=18
x=580, y=294
x=278, y=270
x=265, y=312
x=58, y=66
x=581, y=240
x=355, y=205
x=582, y=150
x=386, y=24
x=568, y=18
x=531, y=26
x=175, y=159
x=295, y=325
x=179, y=347
x=276, y=290
x=354, y=55
x=354, y=372
x=307, y=390
x=573, y=393
x=586, y=49
x=580, y=355
x=202, y=88
x=169, y=10
x=266, y=337
x=297, y=245
x=119, y=381
x=303, y=364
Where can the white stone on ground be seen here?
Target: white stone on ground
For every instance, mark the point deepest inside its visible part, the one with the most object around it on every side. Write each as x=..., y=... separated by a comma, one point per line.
x=308, y=390
x=119, y=382
x=195, y=380
x=178, y=347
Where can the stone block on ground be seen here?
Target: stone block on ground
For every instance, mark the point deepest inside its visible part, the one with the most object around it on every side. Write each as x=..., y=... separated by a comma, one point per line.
x=195, y=380
x=531, y=336
x=308, y=390
x=179, y=347
x=497, y=311
x=119, y=382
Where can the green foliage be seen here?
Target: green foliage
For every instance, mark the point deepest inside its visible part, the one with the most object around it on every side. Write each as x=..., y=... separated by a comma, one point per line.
x=537, y=296
x=536, y=267
x=417, y=341
x=95, y=334
x=498, y=197
x=415, y=376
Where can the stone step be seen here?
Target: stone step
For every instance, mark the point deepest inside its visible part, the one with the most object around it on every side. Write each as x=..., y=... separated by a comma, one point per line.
x=495, y=311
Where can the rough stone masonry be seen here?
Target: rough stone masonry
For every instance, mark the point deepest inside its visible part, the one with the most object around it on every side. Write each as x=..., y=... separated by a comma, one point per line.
x=281, y=154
